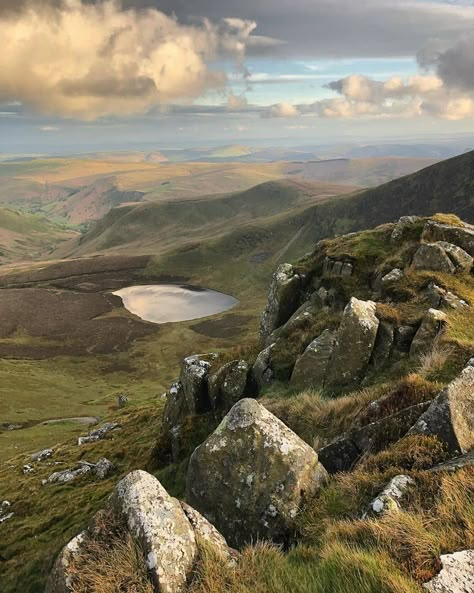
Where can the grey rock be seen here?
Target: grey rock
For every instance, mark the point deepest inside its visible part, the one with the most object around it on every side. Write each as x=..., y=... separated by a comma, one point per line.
x=310, y=367
x=227, y=386
x=193, y=379
x=98, y=434
x=354, y=343
x=262, y=372
x=462, y=236
x=283, y=299
x=439, y=297
x=450, y=417
x=431, y=256
x=388, y=501
x=404, y=335
x=456, y=576
x=5, y=512
x=61, y=577
x=300, y=320
x=431, y=326
x=28, y=469
x=393, y=276
x=339, y=456
x=461, y=259
x=103, y=469
x=250, y=477
x=42, y=455
x=455, y=464
x=347, y=270
x=159, y=524
x=383, y=344
x=176, y=408
x=403, y=226
x=122, y=400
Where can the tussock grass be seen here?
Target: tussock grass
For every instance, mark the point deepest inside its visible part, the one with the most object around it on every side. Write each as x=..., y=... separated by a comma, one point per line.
x=434, y=361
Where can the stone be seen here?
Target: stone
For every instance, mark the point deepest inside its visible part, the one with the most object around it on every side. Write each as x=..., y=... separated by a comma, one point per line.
x=431, y=256
x=310, y=367
x=227, y=386
x=299, y=321
x=347, y=270
x=28, y=469
x=103, y=469
x=158, y=522
x=5, y=512
x=460, y=258
x=262, y=372
x=206, y=532
x=339, y=456
x=404, y=225
x=61, y=578
x=462, y=236
x=251, y=476
x=175, y=408
x=42, y=455
x=453, y=465
x=404, y=335
x=439, y=297
x=456, y=576
x=122, y=400
x=393, y=276
x=388, y=501
x=431, y=326
x=193, y=379
x=355, y=340
x=283, y=299
x=98, y=434
x=450, y=417
x=383, y=344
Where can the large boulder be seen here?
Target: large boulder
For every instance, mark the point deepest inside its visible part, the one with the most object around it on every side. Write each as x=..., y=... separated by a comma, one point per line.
x=354, y=343
x=283, y=299
x=250, y=477
x=158, y=522
x=456, y=576
x=462, y=235
x=431, y=256
x=431, y=326
x=61, y=577
x=450, y=417
x=310, y=367
x=227, y=386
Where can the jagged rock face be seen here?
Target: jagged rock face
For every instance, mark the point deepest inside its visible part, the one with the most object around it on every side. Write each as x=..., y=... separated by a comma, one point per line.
x=228, y=385
x=431, y=256
x=431, y=326
x=310, y=367
x=462, y=236
x=250, y=477
x=388, y=501
x=450, y=417
x=456, y=576
x=158, y=522
x=355, y=340
x=60, y=578
x=283, y=299
x=193, y=379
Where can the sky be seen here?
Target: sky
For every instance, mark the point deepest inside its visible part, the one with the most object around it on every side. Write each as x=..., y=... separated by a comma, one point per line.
x=79, y=75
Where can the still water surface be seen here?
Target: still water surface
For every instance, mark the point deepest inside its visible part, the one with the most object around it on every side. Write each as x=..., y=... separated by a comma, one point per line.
x=163, y=303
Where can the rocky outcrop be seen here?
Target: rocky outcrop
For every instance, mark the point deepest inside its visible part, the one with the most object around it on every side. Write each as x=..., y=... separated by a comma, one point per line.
x=98, y=434
x=310, y=368
x=404, y=226
x=450, y=417
x=388, y=501
x=439, y=297
x=431, y=326
x=283, y=299
x=461, y=235
x=461, y=259
x=159, y=524
x=228, y=385
x=61, y=577
x=193, y=380
x=431, y=256
x=250, y=477
x=355, y=340
x=100, y=470
x=336, y=268
x=456, y=576
x=42, y=455
x=262, y=371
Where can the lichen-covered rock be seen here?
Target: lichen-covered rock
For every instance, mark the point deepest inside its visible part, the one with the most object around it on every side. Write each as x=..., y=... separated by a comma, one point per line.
x=461, y=259
x=463, y=235
x=103, y=469
x=61, y=578
x=310, y=367
x=439, y=297
x=450, y=417
x=262, y=371
x=432, y=324
x=176, y=408
x=388, y=501
x=207, y=533
x=301, y=318
x=283, y=299
x=193, y=379
x=456, y=576
x=453, y=465
x=404, y=225
x=250, y=477
x=227, y=386
x=393, y=276
x=339, y=456
x=98, y=434
x=100, y=470
x=42, y=455
x=354, y=343
x=431, y=256
x=159, y=524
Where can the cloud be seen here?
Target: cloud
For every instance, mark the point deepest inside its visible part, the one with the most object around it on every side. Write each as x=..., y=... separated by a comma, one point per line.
x=282, y=110
x=49, y=129
x=455, y=66
x=85, y=61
